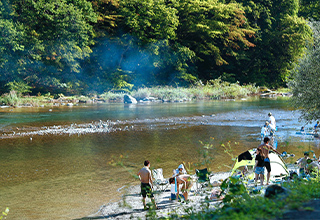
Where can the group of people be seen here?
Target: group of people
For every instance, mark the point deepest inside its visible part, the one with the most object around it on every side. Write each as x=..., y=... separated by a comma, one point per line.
x=308, y=166
x=262, y=154
x=315, y=127
x=180, y=181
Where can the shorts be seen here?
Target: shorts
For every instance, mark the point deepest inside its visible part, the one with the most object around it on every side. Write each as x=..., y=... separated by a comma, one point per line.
x=267, y=164
x=272, y=132
x=146, y=190
x=174, y=197
x=301, y=171
x=259, y=170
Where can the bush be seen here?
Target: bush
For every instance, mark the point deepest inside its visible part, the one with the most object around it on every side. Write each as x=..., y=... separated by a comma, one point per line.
x=10, y=98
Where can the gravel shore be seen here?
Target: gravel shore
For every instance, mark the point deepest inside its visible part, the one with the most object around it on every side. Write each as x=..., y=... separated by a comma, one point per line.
x=130, y=206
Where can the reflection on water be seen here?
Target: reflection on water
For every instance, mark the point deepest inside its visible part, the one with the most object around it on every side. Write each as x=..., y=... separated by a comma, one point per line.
x=69, y=176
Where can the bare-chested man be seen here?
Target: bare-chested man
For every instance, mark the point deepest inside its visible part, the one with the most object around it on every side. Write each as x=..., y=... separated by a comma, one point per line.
x=146, y=184
x=265, y=147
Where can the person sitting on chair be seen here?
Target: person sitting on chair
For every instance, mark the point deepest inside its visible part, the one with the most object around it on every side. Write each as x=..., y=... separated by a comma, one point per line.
x=302, y=162
x=312, y=167
x=180, y=170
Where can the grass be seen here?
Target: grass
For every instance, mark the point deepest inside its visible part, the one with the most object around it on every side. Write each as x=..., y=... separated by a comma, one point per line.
x=214, y=89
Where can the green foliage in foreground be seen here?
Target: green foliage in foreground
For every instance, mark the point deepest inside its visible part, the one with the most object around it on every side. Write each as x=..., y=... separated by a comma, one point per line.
x=4, y=213
x=240, y=203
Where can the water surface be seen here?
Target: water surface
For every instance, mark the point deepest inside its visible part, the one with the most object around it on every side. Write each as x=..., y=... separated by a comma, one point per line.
x=68, y=176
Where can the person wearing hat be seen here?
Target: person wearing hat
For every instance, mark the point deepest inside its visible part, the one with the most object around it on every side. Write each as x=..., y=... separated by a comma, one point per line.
x=180, y=170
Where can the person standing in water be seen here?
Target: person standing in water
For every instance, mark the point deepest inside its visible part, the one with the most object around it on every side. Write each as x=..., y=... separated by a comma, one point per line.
x=316, y=126
x=272, y=128
x=272, y=123
x=264, y=131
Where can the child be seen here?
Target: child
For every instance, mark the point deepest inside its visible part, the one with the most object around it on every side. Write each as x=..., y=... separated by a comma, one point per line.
x=259, y=167
x=173, y=182
x=264, y=130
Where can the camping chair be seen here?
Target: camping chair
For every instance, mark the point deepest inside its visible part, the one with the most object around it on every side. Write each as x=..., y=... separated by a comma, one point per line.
x=160, y=183
x=202, y=180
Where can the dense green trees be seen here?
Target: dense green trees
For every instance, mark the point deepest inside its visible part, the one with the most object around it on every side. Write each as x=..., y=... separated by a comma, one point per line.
x=305, y=86
x=214, y=31
x=280, y=40
x=310, y=9
x=43, y=41
x=81, y=46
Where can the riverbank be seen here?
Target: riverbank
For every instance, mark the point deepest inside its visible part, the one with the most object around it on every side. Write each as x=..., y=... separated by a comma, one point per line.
x=130, y=206
x=213, y=90
x=201, y=206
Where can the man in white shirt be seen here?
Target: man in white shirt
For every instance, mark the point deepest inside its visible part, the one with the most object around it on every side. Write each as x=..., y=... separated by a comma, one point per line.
x=272, y=123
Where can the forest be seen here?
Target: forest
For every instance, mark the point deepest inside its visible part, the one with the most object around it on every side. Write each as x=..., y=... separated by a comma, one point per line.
x=83, y=47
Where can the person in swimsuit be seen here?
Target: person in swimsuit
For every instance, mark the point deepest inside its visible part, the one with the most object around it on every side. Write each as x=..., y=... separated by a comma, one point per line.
x=259, y=167
x=146, y=184
x=265, y=148
x=185, y=182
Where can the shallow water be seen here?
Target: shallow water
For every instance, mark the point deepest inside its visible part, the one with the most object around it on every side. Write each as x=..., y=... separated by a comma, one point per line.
x=66, y=176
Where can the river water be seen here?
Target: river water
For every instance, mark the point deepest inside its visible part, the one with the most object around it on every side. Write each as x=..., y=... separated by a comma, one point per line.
x=66, y=162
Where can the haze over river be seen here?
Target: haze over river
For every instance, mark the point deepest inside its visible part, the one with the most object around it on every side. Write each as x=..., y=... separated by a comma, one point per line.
x=59, y=163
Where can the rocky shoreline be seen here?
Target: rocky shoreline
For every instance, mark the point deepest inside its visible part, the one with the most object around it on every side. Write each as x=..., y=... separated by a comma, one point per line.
x=130, y=206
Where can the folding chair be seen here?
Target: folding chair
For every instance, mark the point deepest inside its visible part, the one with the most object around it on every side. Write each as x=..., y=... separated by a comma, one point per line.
x=160, y=183
x=202, y=180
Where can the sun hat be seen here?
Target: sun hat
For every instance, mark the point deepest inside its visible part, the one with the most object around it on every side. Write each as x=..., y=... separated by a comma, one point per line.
x=180, y=166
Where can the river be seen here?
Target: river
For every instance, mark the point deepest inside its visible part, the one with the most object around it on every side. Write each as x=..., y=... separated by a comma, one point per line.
x=66, y=162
